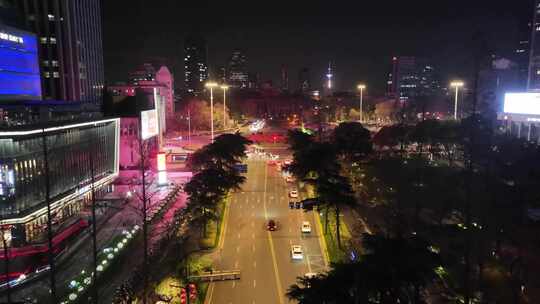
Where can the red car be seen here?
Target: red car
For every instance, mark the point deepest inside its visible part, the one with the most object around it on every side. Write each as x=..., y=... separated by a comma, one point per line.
x=272, y=226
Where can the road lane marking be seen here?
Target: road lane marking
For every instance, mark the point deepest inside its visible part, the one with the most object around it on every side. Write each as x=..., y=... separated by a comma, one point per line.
x=252, y=224
x=209, y=294
x=269, y=236
x=253, y=247
x=308, y=264
x=253, y=235
x=255, y=264
x=236, y=265
x=238, y=235
x=233, y=283
x=237, y=249
x=254, y=283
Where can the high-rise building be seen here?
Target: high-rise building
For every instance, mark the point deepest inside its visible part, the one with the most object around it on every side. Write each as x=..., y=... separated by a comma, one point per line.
x=195, y=65
x=70, y=47
x=222, y=75
x=533, y=79
x=284, y=79
x=412, y=77
x=304, y=81
x=521, y=53
x=238, y=74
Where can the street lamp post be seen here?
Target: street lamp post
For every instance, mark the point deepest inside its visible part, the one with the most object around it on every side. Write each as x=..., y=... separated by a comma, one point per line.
x=224, y=87
x=189, y=125
x=361, y=87
x=457, y=85
x=211, y=86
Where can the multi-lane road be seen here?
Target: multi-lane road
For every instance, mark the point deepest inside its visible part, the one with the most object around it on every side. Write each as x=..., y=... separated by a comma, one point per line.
x=262, y=256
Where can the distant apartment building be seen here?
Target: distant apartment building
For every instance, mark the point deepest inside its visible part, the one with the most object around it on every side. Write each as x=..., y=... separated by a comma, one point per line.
x=195, y=64
x=146, y=79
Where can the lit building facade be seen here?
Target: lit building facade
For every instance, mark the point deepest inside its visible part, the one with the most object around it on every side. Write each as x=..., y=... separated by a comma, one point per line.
x=195, y=64
x=73, y=152
x=411, y=77
x=238, y=74
x=70, y=47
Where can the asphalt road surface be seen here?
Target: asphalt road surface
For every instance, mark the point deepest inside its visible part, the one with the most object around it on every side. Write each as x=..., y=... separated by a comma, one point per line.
x=264, y=257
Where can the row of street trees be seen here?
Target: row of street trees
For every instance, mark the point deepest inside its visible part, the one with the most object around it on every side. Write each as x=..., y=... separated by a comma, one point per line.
x=460, y=185
x=215, y=175
x=319, y=164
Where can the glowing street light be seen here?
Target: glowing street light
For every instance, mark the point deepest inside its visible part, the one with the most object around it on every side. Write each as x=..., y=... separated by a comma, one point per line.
x=211, y=85
x=457, y=85
x=224, y=88
x=361, y=87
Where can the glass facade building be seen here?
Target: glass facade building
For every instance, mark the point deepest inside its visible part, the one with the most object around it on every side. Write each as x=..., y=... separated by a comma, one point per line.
x=73, y=152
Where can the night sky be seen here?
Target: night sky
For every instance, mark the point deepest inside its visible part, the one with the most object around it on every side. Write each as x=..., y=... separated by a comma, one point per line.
x=360, y=37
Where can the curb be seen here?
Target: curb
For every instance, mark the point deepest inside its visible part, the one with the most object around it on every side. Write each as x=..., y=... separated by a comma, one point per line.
x=322, y=240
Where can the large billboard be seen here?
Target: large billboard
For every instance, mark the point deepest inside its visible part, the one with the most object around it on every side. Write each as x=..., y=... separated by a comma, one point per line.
x=19, y=67
x=522, y=103
x=149, y=124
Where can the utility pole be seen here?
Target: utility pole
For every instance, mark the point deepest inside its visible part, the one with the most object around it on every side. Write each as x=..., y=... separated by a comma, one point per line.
x=94, y=230
x=49, y=219
x=145, y=224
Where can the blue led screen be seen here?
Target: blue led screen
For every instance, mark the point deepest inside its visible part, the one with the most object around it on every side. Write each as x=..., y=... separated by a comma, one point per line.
x=19, y=67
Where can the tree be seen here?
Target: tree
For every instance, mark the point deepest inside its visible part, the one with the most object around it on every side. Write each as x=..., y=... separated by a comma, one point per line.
x=335, y=192
x=298, y=140
x=391, y=136
x=316, y=163
x=216, y=174
x=226, y=151
x=352, y=141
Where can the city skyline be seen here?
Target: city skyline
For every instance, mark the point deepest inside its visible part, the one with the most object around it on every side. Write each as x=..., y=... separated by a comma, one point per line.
x=359, y=39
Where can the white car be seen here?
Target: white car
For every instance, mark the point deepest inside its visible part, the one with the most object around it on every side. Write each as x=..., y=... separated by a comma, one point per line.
x=293, y=193
x=296, y=252
x=306, y=227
